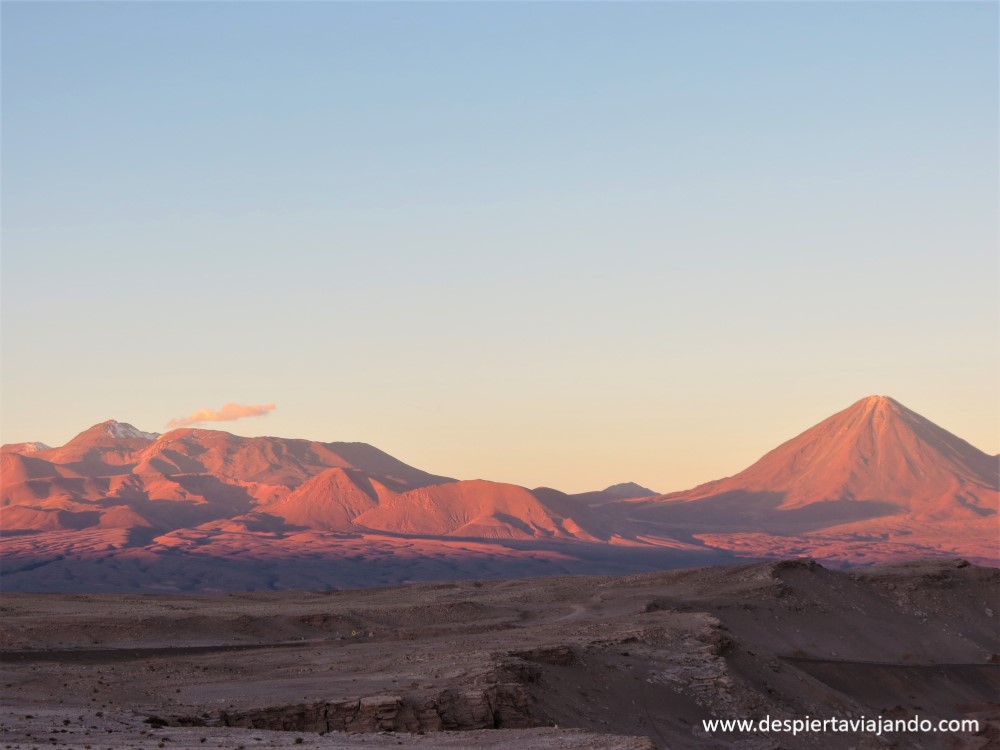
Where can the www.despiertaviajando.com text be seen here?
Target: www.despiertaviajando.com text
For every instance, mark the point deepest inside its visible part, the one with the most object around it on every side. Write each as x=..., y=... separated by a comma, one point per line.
x=874, y=726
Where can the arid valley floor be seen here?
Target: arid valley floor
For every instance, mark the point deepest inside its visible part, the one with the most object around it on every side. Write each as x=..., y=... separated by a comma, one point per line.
x=560, y=662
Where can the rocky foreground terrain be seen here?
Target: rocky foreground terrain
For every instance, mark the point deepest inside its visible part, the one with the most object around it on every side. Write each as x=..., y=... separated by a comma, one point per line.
x=558, y=662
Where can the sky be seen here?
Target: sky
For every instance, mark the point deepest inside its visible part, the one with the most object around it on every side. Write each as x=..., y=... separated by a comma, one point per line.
x=560, y=244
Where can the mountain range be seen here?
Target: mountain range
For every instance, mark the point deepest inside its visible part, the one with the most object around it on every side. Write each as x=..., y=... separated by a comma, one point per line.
x=117, y=508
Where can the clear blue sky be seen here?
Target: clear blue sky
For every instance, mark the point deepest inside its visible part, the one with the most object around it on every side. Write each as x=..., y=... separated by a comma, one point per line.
x=563, y=244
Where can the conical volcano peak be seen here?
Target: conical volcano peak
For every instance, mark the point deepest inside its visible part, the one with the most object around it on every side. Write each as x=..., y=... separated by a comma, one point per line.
x=879, y=404
x=880, y=411
x=877, y=400
x=874, y=450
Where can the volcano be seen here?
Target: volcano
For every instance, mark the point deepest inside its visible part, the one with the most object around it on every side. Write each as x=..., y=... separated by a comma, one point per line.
x=875, y=482
x=874, y=450
x=876, y=474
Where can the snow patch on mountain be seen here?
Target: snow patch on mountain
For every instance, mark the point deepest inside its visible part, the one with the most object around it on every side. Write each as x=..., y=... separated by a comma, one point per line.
x=32, y=447
x=126, y=431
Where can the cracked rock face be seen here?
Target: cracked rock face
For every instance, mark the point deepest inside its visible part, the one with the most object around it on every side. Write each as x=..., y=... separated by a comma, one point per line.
x=501, y=705
x=697, y=666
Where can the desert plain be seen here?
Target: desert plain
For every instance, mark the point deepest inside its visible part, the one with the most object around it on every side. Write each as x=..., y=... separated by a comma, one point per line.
x=557, y=662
